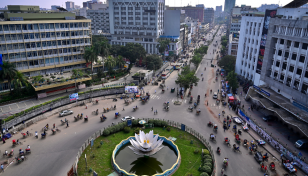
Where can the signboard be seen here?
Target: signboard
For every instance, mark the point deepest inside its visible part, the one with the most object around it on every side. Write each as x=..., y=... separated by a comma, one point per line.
x=242, y=115
x=73, y=96
x=261, y=90
x=1, y=63
x=131, y=89
x=129, y=122
x=268, y=15
x=166, y=53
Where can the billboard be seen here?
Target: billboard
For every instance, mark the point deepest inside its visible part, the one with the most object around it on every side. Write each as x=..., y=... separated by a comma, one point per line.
x=268, y=15
x=1, y=63
x=73, y=96
x=131, y=89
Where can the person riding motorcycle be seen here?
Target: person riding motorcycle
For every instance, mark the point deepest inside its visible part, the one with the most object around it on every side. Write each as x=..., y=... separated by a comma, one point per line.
x=6, y=153
x=227, y=141
x=21, y=151
x=245, y=142
x=225, y=161
x=212, y=136
x=218, y=149
x=198, y=111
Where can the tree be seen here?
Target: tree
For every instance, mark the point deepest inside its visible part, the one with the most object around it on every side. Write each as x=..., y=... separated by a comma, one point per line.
x=163, y=44
x=153, y=62
x=117, y=50
x=227, y=63
x=119, y=61
x=110, y=63
x=90, y=56
x=232, y=80
x=196, y=60
x=19, y=81
x=134, y=51
x=186, y=78
x=8, y=73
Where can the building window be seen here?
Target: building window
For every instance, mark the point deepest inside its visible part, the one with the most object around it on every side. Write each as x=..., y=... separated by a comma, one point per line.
x=281, y=41
x=277, y=64
x=304, y=46
x=294, y=56
x=302, y=58
x=291, y=68
x=279, y=53
x=296, y=44
x=286, y=54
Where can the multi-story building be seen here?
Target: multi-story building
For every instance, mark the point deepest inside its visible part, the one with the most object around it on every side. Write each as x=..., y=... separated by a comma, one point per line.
x=99, y=21
x=77, y=6
x=209, y=16
x=284, y=67
x=236, y=16
x=194, y=12
x=264, y=7
x=40, y=43
x=200, y=5
x=219, y=9
x=233, y=44
x=70, y=5
x=138, y=21
x=55, y=7
x=229, y=4
x=249, y=47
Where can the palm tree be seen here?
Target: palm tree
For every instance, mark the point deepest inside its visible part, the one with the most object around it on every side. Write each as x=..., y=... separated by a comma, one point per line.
x=119, y=61
x=90, y=56
x=8, y=73
x=19, y=81
x=110, y=62
x=163, y=44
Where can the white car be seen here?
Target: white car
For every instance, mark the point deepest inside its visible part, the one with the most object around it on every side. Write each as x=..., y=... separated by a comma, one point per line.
x=128, y=118
x=65, y=112
x=215, y=95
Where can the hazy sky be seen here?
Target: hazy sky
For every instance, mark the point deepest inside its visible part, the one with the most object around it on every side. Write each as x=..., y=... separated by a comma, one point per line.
x=207, y=3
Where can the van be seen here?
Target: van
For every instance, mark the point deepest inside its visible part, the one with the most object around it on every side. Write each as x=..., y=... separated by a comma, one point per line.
x=215, y=95
x=302, y=143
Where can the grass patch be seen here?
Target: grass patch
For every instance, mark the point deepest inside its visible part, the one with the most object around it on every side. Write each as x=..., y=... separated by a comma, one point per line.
x=101, y=162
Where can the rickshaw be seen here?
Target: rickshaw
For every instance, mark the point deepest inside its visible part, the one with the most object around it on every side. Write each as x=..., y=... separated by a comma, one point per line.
x=172, y=90
x=272, y=166
x=117, y=114
x=215, y=128
x=237, y=139
x=103, y=118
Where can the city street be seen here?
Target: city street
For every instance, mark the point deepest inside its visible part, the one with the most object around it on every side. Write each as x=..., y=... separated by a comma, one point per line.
x=55, y=154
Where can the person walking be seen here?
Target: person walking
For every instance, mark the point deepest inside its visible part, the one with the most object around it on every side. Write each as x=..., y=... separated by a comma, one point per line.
x=2, y=168
x=3, y=139
x=54, y=125
x=219, y=115
x=67, y=124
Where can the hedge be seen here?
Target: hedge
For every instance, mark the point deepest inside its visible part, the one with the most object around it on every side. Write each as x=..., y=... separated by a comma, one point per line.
x=52, y=101
x=204, y=174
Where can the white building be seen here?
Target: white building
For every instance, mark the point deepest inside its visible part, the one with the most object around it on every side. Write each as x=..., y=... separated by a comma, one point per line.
x=99, y=21
x=263, y=7
x=248, y=48
x=233, y=44
x=137, y=21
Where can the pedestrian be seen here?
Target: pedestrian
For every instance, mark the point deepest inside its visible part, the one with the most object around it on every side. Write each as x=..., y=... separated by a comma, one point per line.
x=167, y=87
x=222, y=171
x=219, y=115
x=243, y=106
x=3, y=139
x=152, y=108
x=155, y=91
x=2, y=168
x=225, y=128
x=123, y=109
x=156, y=111
x=265, y=169
x=54, y=125
x=229, y=126
x=67, y=124
x=248, y=108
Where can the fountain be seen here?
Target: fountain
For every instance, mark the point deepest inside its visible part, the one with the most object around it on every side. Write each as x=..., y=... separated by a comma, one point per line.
x=146, y=154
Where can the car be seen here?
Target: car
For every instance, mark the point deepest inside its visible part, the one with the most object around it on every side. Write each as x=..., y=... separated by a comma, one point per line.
x=258, y=156
x=65, y=112
x=268, y=118
x=128, y=118
x=215, y=95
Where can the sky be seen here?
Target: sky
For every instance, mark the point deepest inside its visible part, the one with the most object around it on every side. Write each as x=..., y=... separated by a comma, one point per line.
x=207, y=3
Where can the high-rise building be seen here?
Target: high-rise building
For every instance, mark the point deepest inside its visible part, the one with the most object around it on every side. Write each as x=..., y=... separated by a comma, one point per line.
x=137, y=21
x=209, y=16
x=55, y=7
x=70, y=5
x=200, y=5
x=219, y=9
x=229, y=4
x=249, y=46
x=99, y=21
x=41, y=43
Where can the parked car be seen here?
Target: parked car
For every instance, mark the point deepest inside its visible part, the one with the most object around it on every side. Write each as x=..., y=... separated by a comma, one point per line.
x=215, y=95
x=302, y=143
x=128, y=118
x=268, y=118
x=258, y=157
x=65, y=112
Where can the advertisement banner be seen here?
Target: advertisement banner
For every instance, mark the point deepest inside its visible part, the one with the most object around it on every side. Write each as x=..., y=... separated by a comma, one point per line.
x=166, y=53
x=73, y=96
x=268, y=15
x=131, y=89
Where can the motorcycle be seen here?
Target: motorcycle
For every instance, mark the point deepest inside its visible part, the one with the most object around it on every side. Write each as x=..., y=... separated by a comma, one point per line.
x=210, y=124
x=218, y=152
x=115, y=99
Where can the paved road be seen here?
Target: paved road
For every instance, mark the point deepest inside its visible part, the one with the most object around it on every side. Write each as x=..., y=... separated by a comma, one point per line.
x=55, y=154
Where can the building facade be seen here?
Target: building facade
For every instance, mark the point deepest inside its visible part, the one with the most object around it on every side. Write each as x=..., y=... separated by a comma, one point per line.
x=285, y=61
x=229, y=4
x=99, y=21
x=195, y=12
x=200, y=5
x=70, y=5
x=248, y=48
x=233, y=44
x=209, y=16
x=219, y=9
x=38, y=46
x=139, y=21
x=264, y=7
x=55, y=7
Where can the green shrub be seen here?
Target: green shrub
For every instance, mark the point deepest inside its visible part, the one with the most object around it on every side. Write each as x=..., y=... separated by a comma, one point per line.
x=127, y=129
x=164, y=123
x=208, y=160
x=151, y=121
x=122, y=125
x=137, y=130
x=117, y=128
x=210, y=165
x=196, y=151
x=168, y=128
x=204, y=174
x=135, y=123
x=206, y=169
x=205, y=152
x=112, y=129
x=106, y=132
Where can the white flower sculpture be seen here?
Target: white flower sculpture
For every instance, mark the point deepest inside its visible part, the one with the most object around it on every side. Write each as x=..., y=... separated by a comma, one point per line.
x=146, y=144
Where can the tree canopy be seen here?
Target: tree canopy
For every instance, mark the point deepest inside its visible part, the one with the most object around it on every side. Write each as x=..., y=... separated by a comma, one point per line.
x=187, y=77
x=134, y=51
x=196, y=60
x=227, y=63
x=163, y=44
x=201, y=50
x=153, y=62
x=232, y=80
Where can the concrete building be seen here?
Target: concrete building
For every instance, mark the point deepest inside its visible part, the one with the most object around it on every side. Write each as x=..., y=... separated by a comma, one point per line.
x=77, y=6
x=209, y=16
x=41, y=43
x=200, y=5
x=264, y=7
x=229, y=4
x=70, y=5
x=195, y=12
x=236, y=16
x=249, y=46
x=99, y=21
x=233, y=44
x=55, y=7
x=83, y=12
x=138, y=21
x=219, y=9
x=284, y=67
